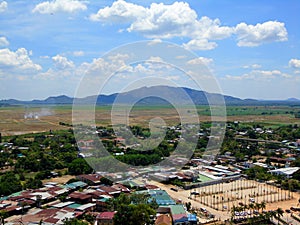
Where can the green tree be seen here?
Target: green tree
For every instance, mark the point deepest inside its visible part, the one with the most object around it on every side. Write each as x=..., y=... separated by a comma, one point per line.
x=74, y=221
x=79, y=166
x=3, y=216
x=9, y=184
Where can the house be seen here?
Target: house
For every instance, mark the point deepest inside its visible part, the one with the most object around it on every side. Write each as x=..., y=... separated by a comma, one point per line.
x=76, y=185
x=163, y=219
x=79, y=197
x=105, y=218
x=286, y=172
x=121, y=188
x=192, y=218
x=86, y=207
x=179, y=215
x=109, y=190
x=91, y=179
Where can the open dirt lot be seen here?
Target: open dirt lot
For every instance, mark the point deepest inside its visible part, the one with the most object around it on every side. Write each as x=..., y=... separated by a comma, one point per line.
x=211, y=196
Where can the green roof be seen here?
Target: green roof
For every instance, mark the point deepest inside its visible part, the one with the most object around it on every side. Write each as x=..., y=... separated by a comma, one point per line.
x=129, y=183
x=177, y=209
x=74, y=206
x=204, y=178
x=161, y=197
x=16, y=194
x=76, y=184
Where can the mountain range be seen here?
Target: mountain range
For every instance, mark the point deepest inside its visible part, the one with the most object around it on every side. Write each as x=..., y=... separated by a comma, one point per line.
x=146, y=96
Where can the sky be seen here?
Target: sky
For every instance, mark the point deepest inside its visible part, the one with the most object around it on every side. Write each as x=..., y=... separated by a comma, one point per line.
x=48, y=48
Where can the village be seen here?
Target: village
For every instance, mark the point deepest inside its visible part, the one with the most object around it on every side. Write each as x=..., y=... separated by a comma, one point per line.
x=226, y=188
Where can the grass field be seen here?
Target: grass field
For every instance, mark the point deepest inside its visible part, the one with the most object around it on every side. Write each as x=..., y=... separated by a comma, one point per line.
x=19, y=119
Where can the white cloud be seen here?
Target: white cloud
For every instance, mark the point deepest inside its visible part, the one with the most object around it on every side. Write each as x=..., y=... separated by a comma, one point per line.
x=3, y=6
x=259, y=75
x=155, y=41
x=253, y=66
x=295, y=63
x=165, y=21
x=179, y=20
x=200, y=44
x=18, y=60
x=69, y=6
x=62, y=62
x=3, y=41
x=119, y=12
x=250, y=35
x=78, y=53
x=201, y=61
x=155, y=59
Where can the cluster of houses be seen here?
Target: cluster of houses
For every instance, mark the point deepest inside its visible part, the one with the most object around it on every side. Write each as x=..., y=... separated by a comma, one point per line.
x=54, y=203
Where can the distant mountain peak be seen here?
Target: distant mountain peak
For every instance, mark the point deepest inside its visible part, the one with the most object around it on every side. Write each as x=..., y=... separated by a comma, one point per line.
x=146, y=96
x=293, y=99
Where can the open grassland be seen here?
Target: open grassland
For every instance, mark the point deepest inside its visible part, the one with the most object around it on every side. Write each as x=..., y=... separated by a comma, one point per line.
x=20, y=119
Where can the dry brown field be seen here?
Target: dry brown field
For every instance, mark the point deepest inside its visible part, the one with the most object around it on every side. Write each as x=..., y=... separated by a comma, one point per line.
x=13, y=120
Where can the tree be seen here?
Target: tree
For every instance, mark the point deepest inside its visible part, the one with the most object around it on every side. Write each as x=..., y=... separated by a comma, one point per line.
x=134, y=215
x=74, y=221
x=9, y=184
x=106, y=181
x=33, y=183
x=79, y=166
x=3, y=216
x=188, y=206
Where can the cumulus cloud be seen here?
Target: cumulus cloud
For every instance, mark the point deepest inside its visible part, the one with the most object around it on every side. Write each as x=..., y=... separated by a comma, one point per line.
x=259, y=75
x=78, y=53
x=3, y=41
x=179, y=20
x=295, y=63
x=62, y=62
x=250, y=35
x=253, y=66
x=119, y=12
x=200, y=44
x=18, y=60
x=3, y=6
x=201, y=61
x=69, y=6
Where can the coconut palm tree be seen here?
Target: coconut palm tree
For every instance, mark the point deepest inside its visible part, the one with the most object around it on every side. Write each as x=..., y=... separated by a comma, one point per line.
x=263, y=205
x=251, y=207
x=279, y=213
x=233, y=210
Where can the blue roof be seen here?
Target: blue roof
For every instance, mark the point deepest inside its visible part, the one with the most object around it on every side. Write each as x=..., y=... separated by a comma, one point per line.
x=161, y=197
x=192, y=217
x=76, y=184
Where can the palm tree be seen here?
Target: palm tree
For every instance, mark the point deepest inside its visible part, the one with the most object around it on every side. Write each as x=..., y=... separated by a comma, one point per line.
x=233, y=210
x=257, y=206
x=279, y=213
x=263, y=205
x=251, y=207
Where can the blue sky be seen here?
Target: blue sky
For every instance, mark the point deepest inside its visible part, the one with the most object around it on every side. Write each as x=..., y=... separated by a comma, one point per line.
x=252, y=48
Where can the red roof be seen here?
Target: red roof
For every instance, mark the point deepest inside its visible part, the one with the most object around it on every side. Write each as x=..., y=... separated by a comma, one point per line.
x=106, y=215
x=163, y=219
x=51, y=220
x=79, y=195
x=11, y=208
x=121, y=187
x=151, y=187
x=91, y=177
x=108, y=189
